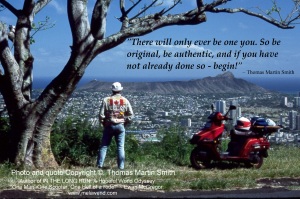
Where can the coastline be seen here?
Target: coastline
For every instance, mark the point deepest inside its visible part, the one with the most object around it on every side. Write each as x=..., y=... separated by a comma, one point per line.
x=289, y=85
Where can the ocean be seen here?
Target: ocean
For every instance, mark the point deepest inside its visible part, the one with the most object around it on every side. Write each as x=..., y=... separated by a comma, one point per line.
x=280, y=84
x=284, y=84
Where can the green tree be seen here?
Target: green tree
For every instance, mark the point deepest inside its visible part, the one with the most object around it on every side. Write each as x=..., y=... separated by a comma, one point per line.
x=30, y=119
x=174, y=145
x=4, y=132
x=75, y=141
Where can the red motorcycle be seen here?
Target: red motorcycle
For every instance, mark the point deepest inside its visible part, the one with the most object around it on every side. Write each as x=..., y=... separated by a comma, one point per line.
x=248, y=142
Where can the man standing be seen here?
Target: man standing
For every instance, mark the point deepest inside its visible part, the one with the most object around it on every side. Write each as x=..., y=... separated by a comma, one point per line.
x=115, y=113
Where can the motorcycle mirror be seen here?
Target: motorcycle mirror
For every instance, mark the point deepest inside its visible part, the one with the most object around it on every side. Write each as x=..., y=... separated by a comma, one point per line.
x=232, y=107
x=212, y=107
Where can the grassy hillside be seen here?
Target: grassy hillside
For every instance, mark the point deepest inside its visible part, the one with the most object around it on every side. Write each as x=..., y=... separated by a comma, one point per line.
x=149, y=166
x=153, y=175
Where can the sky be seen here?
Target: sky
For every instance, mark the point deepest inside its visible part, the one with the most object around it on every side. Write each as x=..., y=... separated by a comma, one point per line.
x=52, y=47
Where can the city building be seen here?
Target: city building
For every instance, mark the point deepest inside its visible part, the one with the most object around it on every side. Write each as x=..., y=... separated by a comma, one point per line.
x=297, y=102
x=221, y=106
x=298, y=122
x=284, y=101
x=233, y=114
x=292, y=119
x=282, y=120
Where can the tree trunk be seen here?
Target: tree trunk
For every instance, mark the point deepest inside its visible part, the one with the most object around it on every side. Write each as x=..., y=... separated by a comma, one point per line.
x=30, y=141
x=42, y=155
x=34, y=152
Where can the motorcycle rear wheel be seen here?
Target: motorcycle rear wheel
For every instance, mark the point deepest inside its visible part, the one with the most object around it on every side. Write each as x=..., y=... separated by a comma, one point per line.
x=257, y=164
x=199, y=162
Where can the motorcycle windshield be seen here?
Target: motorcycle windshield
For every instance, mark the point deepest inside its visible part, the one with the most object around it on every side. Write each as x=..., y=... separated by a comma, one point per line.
x=207, y=125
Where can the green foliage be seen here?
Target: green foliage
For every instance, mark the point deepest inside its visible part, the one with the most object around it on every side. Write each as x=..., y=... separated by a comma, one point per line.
x=4, y=137
x=209, y=184
x=283, y=162
x=280, y=158
x=175, y=146
x=40, y=26
x=4, y=125
x=75, y=141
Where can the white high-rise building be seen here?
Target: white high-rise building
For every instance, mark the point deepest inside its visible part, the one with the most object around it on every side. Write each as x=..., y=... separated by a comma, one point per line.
x=221, y=106
x=298, y=122
x=284, y=101
x=186, y=122
x=233, y=114
x=282, y=120
x=239, y=112
x=189, y=122
x=292, y=119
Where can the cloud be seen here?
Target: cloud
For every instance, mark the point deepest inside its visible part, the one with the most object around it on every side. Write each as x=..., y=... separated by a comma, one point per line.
x=43, y=52
x=59, y=8
x=243, y=26
x=45, y=58
x=169, y=2
x=224, y=29
x=7, y=20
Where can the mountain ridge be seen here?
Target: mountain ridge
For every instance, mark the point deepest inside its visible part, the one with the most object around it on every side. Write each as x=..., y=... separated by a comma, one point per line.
x=221, y=83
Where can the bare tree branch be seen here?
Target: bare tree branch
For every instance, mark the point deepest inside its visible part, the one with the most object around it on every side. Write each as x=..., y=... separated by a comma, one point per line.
x=11, y=33
x=2, y=7
x=142, y=26
x=125, y=13
x=28, y=7
x=122, y=8
x=40, y=5
x=98, y=22
x=269, y=20
x=11, y=69
x=80, y=28
x=42, y=25
x=294, y=14
x=174, y=5
x=144, y=9
x=22, y=43
x=277, y=9
x=124, y=17
x=292, y=20
x=10, y=7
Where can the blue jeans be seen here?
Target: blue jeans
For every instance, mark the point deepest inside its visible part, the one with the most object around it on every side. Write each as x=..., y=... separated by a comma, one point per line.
x=110, y=131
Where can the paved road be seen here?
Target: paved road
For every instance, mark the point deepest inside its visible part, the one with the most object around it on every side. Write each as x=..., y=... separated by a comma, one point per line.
x=248, y=193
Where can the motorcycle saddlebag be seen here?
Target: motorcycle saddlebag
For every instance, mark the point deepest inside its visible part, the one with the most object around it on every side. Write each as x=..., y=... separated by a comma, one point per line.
x=259, y=122
x=264, y=126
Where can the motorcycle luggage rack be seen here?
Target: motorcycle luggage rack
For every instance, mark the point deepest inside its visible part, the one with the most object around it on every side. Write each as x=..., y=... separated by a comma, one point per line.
x=265, y=129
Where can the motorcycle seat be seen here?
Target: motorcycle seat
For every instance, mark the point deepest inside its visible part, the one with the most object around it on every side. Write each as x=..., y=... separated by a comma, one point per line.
x=243, y=133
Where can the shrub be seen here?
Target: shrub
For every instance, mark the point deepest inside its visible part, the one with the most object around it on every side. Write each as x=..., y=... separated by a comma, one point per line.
x=4, y=138
x=75, y=141
x=175, y=146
